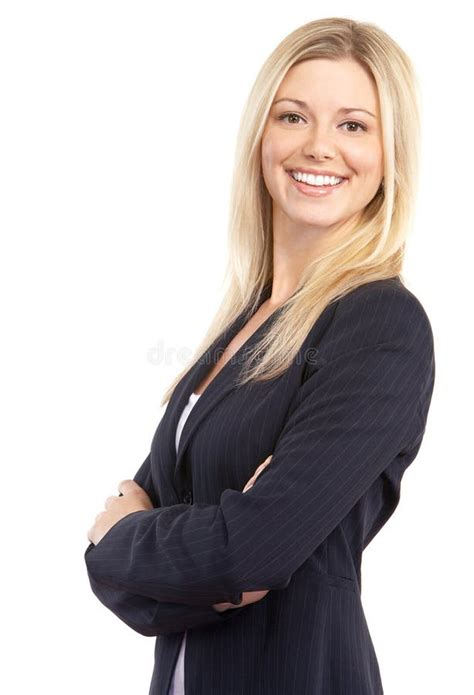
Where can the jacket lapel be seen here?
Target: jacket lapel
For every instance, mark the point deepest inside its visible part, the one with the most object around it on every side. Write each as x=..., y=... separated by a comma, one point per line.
x=221, y=385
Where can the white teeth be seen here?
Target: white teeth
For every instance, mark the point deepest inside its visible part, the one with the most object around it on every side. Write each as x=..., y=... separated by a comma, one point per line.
x=318, y=180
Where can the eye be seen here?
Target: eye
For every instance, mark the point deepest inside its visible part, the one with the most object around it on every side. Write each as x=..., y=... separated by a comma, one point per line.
x=285, y=115
x=361, y=125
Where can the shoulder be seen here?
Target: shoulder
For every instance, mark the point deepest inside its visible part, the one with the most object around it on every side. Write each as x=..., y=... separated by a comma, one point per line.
x=378, y=312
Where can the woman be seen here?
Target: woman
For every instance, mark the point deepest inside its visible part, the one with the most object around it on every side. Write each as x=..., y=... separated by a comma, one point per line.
x=239, y=541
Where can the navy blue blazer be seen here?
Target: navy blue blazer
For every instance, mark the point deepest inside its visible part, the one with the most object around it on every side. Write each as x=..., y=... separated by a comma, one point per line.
x=342, y=424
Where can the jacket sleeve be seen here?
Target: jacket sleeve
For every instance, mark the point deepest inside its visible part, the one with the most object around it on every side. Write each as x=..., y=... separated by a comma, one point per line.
x=363, y=401
x=146, y=615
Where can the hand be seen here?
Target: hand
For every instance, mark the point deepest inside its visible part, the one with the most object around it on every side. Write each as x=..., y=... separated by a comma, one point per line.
x=133, y=499
x=247, y=596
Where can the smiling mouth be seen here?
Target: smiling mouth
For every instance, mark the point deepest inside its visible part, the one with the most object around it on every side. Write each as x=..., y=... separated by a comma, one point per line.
x=314, y=190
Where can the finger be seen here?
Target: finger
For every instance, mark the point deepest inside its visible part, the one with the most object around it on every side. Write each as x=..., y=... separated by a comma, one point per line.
x=266, y=462
x=220, y=607
x=127, y=485
x=109, y=501
x=262, y=466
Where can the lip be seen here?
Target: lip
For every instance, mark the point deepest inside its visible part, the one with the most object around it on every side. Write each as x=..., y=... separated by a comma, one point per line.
x=313, y=191
x=317, y=172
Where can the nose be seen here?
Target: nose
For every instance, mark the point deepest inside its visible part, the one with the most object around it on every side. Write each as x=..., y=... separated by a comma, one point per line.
x=319, y=144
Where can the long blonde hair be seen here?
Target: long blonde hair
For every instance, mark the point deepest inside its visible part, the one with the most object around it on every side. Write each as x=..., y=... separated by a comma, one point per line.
x=372, y=246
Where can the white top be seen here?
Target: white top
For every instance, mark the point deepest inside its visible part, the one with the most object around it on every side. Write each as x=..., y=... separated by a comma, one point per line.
x=184, y=416
x=177, y=682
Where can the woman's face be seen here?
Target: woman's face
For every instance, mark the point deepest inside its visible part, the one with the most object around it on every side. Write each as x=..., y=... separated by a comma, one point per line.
x=320, y=135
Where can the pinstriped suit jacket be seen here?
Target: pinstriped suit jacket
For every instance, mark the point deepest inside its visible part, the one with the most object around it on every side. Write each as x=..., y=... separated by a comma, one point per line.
x=342, y=424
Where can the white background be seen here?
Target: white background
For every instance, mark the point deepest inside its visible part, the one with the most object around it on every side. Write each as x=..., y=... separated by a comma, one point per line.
x=117, y=128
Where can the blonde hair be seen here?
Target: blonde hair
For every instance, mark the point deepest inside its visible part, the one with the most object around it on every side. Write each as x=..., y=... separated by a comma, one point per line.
x=372, y=247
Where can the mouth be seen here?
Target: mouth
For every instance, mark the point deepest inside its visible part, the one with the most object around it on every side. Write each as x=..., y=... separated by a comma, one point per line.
x=316, y=191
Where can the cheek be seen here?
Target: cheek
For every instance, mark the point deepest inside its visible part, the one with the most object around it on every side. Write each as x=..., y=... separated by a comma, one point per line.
x=365, y=161
x=374, y=163
x=273, y=150
x=268, y=153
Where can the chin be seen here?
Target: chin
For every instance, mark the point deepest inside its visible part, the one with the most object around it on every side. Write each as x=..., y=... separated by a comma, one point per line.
x=317, y=221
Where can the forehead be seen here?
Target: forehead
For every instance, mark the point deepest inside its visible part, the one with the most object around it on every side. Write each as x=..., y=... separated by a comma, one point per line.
x=324, y=83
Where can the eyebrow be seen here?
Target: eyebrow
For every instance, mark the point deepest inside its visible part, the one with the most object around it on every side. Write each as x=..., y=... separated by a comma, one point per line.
x=344, y=109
